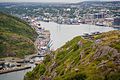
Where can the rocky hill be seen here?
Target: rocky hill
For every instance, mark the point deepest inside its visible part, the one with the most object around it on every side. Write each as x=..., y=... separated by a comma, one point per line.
x=16, y=37
x=82, y=59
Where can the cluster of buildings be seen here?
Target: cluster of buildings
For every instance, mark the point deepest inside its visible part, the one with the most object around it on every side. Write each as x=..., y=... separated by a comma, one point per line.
x=101, y=19
x=43, y=42
x=75, y=14
x=101, y=13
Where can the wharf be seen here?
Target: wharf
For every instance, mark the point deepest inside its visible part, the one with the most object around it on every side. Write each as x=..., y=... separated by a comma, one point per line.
x=14, y=70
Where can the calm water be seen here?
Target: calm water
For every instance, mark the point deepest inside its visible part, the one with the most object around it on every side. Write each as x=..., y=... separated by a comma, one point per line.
x=13, y=75
x=59, y=34
x=63, y=33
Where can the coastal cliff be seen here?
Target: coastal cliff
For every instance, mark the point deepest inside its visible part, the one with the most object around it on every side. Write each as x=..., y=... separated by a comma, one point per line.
x=82, y=59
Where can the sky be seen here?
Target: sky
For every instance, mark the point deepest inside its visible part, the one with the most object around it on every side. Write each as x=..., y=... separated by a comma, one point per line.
x=62, y=1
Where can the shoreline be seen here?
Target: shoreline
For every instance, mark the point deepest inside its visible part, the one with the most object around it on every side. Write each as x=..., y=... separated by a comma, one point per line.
x=114, y=26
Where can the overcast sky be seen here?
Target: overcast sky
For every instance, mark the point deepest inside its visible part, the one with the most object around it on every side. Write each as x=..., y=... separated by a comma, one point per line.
x=66, y=1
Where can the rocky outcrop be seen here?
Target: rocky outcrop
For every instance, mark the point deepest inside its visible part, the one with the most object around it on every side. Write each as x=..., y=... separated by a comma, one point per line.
x=101, y=51
x=91, y=61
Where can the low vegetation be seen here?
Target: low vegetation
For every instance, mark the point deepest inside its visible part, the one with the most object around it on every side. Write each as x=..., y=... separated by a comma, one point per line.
x=83, y=59
x=16, y=37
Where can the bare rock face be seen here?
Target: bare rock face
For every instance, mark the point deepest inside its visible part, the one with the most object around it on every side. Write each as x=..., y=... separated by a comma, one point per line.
x=102, y=51
x=52, y=66
x=82, y=54
x=98, y=60
x=116, y=60
x=109, y=59
x=45, y=78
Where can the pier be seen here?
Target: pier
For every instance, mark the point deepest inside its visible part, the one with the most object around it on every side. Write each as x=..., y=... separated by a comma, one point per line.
x=15, y=69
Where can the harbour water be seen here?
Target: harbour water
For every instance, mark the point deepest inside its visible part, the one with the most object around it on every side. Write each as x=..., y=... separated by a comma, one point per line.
x=60, y=34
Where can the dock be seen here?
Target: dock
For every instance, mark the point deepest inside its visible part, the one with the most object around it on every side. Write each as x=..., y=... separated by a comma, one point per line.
x=14, y=70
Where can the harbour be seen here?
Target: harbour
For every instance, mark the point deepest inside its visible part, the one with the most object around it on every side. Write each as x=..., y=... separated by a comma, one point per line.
x=61, y=40
x=59, y=35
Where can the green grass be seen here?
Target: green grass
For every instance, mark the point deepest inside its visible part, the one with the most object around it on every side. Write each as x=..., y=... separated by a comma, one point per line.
x=16, y=37
x=86, y=59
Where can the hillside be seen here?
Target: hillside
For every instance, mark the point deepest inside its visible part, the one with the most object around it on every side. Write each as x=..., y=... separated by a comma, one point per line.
x=82, y=59
x=96, y=3
x=16, y=37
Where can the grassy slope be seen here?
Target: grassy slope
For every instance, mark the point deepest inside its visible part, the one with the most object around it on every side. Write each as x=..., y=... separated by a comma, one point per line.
x=87, y=62
x=16, y=37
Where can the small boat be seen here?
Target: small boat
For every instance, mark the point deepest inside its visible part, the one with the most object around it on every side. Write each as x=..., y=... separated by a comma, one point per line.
x=31, y=61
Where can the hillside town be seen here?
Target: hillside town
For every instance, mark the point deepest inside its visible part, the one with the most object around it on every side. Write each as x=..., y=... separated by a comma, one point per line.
x=94, y=13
